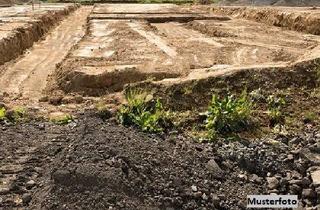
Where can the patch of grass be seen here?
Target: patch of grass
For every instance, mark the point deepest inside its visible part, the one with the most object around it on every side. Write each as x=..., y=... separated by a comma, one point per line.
x=143, y=111
x=61, y=119
x=103, y=111
x=310, y=117
x=275, y=106
x=228, y=114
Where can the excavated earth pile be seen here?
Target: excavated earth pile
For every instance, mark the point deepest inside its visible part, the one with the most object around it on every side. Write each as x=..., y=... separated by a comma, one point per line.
x=98, y=164
x=299, y=19
x=20, y=27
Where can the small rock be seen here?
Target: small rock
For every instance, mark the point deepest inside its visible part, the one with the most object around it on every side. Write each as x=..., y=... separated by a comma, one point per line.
x=215, y=199
x=295, y=140
x=310, y=156
x=214, y=169
x=255, y=178
x=78, y=99
x=295, y=188
x=243, y=177
x=2, y=105
x=273, y=182
x=44, y=99
x=4, y=191
x=305, y=182
x=296, y=181
x=30, y=184
x=194, y=188
x=308, y=193
x=315, y=176
x=26, y=198
x=55, y=100
x=68, y=100
x=290, y=157
x=204, y=196
x=197, y=194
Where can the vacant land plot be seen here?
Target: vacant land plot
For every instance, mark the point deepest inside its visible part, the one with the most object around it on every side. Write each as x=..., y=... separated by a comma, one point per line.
x=227, y=99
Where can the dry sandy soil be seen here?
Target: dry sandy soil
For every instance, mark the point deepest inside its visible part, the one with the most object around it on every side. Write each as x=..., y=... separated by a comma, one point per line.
x=121, y=44
x=56, y=56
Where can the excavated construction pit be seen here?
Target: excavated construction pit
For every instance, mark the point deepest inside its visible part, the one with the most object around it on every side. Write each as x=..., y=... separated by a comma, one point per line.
x=21, y=26
x=129, y=43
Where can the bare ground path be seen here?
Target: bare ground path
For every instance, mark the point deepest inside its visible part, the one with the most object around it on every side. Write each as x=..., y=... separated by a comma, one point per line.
x=28, y=76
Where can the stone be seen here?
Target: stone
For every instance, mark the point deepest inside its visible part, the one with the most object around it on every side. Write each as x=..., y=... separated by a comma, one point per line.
x=214, y=169
x=295, y=140
x=273, y=182
x=295, y=188
x=310, y=156
x=215, y=199
x=308, y=193
x=78, y=99
x=44, y=99
x=255, y=178
x=305, y=182
x=26, y=198
x=194, y=188
x=55, y=100
x=204, y=196
x=30, y=184
x=315, y=176
x=4, y=191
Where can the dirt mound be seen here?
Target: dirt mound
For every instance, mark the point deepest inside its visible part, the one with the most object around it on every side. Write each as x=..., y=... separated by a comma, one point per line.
x=271, y=2
x=5, y=3
x=95, y=164
x=305, y=20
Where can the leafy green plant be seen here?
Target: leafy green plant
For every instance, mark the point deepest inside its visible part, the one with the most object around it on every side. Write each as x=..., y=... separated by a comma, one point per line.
x=228, y=114
x=2, y=113
x=275, y=106
x=143, y=111
x=13, y=115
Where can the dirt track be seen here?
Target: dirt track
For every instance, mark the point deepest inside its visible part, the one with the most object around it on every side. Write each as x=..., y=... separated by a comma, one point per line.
x=28, y=76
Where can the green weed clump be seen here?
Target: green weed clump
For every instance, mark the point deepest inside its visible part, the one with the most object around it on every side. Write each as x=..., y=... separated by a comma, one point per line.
x=2, y=113
x=61, y=119
x=275, y=107
x=14, y=115
x=228, y=114
x=143, y=111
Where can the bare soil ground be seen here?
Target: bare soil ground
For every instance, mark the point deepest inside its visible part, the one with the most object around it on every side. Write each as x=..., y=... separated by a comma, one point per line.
x=182, y=54
x=199, y=41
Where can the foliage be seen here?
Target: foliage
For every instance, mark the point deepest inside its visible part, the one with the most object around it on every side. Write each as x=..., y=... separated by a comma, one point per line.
x=13, y=115
x=2, y=113
x=228, y=114
x=275, y=106
x=61, y=119
x=143, y=111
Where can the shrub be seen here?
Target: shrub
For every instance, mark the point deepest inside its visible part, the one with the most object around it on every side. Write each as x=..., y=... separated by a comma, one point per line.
x=228, y=114
x=143, y=111
x=275, y=106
